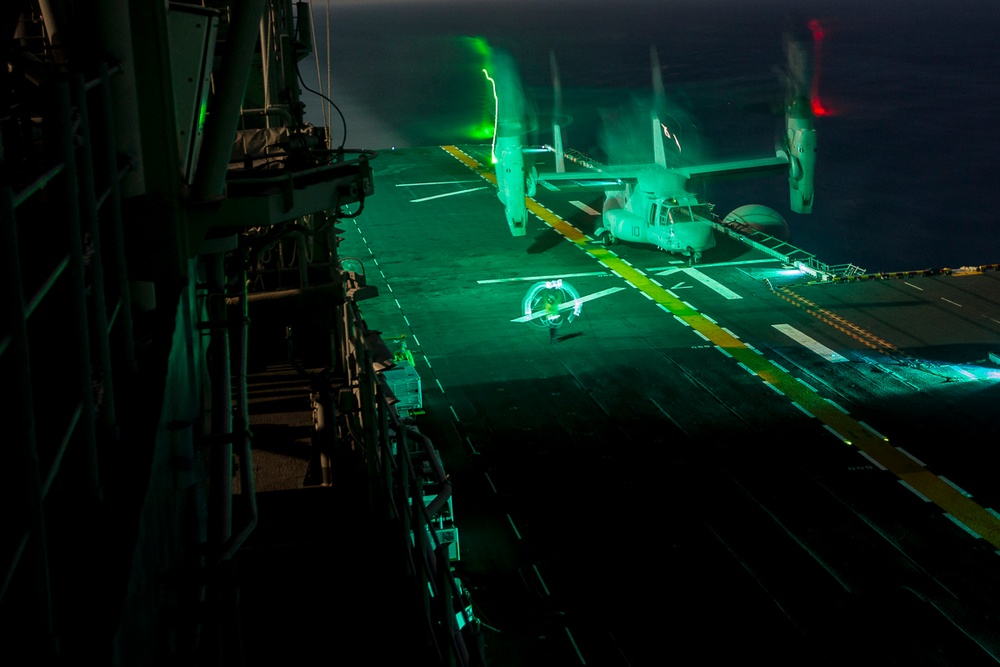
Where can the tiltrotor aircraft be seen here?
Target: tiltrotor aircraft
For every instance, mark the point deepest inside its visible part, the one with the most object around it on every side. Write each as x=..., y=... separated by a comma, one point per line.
x=651, y=203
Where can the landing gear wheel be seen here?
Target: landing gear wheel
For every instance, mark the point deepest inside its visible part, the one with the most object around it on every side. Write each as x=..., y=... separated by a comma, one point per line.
x=693, y=257
x=606, y=238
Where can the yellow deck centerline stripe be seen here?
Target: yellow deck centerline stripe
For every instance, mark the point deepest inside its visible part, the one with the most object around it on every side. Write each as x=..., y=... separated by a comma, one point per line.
x=941, y=494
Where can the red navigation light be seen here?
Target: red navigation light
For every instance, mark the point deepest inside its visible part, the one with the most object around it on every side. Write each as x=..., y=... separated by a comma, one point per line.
x=817, y=30
x=817, y=106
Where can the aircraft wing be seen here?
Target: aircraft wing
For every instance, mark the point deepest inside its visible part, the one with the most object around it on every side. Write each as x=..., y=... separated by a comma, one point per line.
x=736, y=167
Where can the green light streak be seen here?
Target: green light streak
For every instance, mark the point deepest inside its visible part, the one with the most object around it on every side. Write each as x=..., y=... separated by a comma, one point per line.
x=202, y=113
x=496, y=114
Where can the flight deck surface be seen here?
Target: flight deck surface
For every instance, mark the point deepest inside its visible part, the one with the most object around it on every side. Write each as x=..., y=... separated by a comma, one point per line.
x=718, y=460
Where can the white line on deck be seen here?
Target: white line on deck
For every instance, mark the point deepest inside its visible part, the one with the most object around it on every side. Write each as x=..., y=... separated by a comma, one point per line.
x=807, y=385
x=453, y=413
x=520, y=278
x=447, y=194
x=675, y=317
x=912, y=457
x=803, y=410
x=954, y=486
x=569, y=304
x=575, y=647
x=839, y=437
x=809, y=343
x=964, y=527
x=781, y=393
x=540, y=580
x=471, y=446
x=701, y=335
x=877, y=434
x=414, y=185
x=723, y=351
x=516, y=532
x=731, y=333
x=492, y=486
x=712, y=284
x=417, y=341
x=872, y=460
x=913, y=286
x=917, y=493
x=583, y=207
x=439, y=385
x=838, y=406
x=951, y=302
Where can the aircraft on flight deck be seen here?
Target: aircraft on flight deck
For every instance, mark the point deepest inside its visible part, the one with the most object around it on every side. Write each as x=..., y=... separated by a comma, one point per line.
x=650, y=203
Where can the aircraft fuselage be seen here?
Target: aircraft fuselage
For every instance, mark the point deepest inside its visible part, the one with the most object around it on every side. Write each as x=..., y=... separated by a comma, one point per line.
x=677, y=224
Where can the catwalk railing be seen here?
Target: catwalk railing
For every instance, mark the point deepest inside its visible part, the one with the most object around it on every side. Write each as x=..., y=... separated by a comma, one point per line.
x=65, y=307
x=404, y=469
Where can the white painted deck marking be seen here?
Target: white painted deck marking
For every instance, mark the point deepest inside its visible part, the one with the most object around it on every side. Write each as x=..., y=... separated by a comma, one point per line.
x=954, y=486
x=540, y=580
x=912, y=457
x=809, y=343
x=569, y=304
x=666, y=270
x=712, y=284
x=804, y=411
x=447, y=194
x=522, y=278
x=575, y=647
x=492, y=486
x=951, y=302
x=877, y=434
x=963, y=526
x=414, y=185
x=583, y=207
x=915, y=492
x=913, y=286
x=873, y=461
x=517, y=533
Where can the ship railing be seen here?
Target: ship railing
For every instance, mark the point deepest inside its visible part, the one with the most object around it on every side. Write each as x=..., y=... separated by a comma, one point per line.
x=64, y=280
x=406, y=468
x=784, y=251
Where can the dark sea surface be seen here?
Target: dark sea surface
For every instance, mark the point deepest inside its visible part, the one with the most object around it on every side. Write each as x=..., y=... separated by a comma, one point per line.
x=908, y=175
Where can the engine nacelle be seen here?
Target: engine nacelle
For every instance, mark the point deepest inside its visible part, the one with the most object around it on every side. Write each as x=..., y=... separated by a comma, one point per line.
x=801, y=144
x=511, y=183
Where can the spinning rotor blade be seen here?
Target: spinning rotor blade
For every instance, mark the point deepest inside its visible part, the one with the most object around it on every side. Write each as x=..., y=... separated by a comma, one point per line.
x=659, y=103
x=557, y=115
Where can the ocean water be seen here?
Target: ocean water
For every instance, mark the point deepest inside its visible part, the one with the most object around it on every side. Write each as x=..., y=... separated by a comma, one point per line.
x=909, y=157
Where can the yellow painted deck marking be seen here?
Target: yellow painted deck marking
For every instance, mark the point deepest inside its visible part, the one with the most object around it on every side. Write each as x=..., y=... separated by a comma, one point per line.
x=970, y=513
